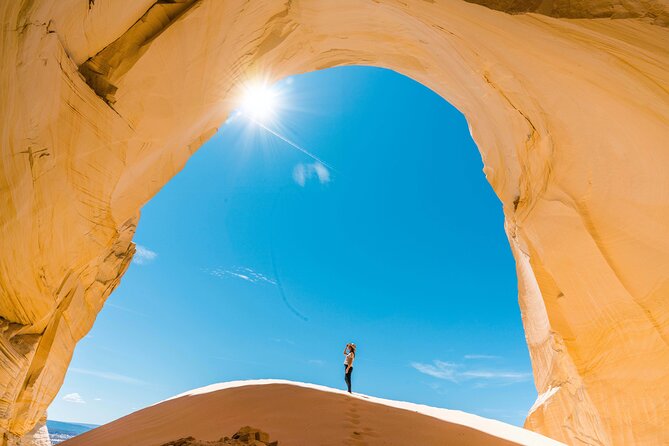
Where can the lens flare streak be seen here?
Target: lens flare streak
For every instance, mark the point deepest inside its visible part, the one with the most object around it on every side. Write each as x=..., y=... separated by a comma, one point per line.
x=291, y=143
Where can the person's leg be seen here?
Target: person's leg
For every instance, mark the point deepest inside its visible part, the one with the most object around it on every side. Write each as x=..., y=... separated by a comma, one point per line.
x=348, y=379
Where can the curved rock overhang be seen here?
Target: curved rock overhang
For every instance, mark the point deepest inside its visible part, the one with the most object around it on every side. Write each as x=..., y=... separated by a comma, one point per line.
x=103, y=102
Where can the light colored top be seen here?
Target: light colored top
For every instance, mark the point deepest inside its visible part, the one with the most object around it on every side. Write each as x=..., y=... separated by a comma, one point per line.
x=349, y=358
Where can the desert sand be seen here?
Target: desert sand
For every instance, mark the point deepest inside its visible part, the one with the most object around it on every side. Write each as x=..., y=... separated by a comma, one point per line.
x=298, y=414
x=103, y=102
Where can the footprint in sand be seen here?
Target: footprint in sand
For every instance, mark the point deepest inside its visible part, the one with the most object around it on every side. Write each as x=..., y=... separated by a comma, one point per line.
x=358, y=432
x=352, y=415
x=356, y=438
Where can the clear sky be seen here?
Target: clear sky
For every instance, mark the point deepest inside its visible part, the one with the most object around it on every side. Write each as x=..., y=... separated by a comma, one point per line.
x=256, y=261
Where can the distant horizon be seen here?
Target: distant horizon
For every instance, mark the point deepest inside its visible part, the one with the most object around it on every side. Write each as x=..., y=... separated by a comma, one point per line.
x=74, y=422
x=357, y=212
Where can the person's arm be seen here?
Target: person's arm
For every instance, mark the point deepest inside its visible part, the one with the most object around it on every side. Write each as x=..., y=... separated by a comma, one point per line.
x=345, y=348
x=350, y=364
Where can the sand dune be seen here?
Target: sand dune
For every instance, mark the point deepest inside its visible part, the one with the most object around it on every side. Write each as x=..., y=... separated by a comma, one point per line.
x=303, y=414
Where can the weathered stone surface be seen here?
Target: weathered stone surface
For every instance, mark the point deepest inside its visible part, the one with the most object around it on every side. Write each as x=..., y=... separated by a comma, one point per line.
x=246, y=436
x=654, y=11
x=99, y=111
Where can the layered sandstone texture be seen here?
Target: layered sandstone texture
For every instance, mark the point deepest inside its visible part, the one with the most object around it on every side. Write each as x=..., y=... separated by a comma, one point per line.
x=103, y=101
x=299, y=414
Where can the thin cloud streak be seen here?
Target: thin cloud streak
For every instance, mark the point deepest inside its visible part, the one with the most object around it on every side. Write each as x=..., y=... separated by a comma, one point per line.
x=482, y=357
x=457, y=373
x=239, y=272
x=495, y=374
x=292, y=144
x=252, y=276
x=110, y=376
x=124, y=309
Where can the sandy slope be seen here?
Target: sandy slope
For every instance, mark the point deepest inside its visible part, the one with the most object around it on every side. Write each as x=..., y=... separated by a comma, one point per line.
x=303, y=414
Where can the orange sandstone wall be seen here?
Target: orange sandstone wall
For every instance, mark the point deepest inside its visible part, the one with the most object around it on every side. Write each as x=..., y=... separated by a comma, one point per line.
x=103, y=101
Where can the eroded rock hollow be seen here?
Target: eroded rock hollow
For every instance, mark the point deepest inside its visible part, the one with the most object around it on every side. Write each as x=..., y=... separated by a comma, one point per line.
x=102, y=102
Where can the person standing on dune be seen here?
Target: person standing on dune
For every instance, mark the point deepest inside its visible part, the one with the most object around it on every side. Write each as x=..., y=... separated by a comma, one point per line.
x=349, y=357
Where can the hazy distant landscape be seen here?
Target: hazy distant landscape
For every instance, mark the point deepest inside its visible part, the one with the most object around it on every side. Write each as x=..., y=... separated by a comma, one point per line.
x=60, y=431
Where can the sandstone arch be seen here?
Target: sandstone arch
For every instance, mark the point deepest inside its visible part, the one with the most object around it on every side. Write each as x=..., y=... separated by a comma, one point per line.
x=103, y=102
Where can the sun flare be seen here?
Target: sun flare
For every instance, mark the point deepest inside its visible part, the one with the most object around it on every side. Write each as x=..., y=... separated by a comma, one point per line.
x=259, y=100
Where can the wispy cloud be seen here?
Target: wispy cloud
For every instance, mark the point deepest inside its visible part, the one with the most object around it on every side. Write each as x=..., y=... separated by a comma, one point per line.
x=304, y=172
x=143, y=255
x=482, y=357
x=124, y=309
x=243, y=273
x=252, y=276
x=110, y=376
x=440, y=369
x=497, y=374
x=317, y=362
x=74, y=398
x=458, y=373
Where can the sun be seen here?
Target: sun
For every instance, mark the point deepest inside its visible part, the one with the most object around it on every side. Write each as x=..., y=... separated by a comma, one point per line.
x=259, y=100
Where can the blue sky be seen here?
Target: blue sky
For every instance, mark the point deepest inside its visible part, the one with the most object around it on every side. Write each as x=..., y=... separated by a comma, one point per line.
x=256, y=261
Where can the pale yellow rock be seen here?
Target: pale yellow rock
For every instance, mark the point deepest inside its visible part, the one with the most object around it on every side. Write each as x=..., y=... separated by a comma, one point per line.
x=570, y=113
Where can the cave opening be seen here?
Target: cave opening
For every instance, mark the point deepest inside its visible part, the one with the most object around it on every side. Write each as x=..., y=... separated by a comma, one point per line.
x=105, y=103
x=262, y=261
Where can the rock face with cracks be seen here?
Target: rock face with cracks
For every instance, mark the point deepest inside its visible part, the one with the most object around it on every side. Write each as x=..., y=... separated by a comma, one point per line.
x=102, y=102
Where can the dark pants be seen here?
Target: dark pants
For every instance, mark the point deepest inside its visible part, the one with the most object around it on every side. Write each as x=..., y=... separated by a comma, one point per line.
x=347, y=377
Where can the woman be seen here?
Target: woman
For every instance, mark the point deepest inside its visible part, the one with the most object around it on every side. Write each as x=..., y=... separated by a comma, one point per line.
x=349, y=357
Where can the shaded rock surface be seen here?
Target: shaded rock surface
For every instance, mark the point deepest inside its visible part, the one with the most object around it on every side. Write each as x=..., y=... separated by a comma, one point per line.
x=654, y=11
